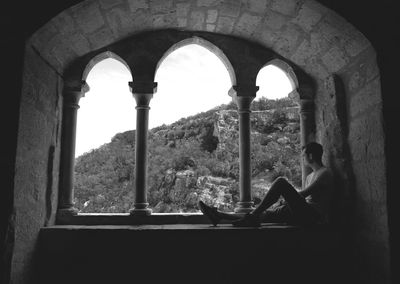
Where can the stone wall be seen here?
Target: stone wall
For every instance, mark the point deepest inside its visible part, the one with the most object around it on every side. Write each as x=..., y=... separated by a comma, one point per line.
x=366, y=142
x=36, y=177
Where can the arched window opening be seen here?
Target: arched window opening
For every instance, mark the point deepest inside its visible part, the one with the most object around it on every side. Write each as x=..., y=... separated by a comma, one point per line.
x=193, y=85
x=104, y=141
x=275, y=128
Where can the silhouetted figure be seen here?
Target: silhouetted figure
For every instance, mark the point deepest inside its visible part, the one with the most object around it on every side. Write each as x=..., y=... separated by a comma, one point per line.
x=311, y=205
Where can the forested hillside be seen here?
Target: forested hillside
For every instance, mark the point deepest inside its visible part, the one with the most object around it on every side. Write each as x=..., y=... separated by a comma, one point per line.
x=191, y=159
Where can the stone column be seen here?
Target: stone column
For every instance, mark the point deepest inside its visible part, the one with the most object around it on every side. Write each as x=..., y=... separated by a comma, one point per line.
x=71, y=97
x=243, y=96
x=143, y=93
x=307, y=130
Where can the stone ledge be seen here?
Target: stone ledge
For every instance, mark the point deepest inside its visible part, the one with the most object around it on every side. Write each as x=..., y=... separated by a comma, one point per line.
x=127, y=219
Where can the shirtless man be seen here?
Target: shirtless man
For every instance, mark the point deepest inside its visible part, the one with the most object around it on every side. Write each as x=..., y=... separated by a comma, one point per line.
x=305, y=207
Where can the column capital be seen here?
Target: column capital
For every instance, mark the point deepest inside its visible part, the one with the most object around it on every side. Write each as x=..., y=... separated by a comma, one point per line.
x=142, y=87
x=243, y=90
x=243, y=95
x=73, y=92
x=143, y=92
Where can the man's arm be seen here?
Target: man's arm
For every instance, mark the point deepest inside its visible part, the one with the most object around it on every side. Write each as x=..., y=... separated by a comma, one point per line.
x=317, y=184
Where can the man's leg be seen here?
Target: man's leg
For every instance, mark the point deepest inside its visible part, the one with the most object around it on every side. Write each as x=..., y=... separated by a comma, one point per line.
x=280, y=187
x=297, y=209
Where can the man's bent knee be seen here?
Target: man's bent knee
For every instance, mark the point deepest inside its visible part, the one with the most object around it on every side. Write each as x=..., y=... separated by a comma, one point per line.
x=281, y=181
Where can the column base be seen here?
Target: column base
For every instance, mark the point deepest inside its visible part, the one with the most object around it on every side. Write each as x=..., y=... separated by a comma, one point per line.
x=244, y=207
x=67, y=212
x=140, y=209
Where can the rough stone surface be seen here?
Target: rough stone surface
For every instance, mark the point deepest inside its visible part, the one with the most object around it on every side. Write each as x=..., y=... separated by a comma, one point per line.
x=309, y=15
x=212, y=16
x=182, y=9
x=197, y=19
x=335, y=59
x=36, y=179
x=257, y=6
x=135, y=5
x=366, y=98
x=225, y=25
x=100, y=38
x=229, y=8
x=274, y=20
x=106, y=4
x=247, y=24
x=119, y=20
x=288, y=40
x=285, y=7
x=208, y=3
x=161, y=6
x=88, y=16
x=366, y=136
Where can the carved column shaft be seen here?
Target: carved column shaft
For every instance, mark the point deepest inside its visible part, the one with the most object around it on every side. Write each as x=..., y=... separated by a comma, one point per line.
x=243, y=98
x=71, y=95
x=143, y=93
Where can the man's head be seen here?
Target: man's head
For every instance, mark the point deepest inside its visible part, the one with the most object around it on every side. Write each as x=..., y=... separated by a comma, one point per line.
x=313, y=153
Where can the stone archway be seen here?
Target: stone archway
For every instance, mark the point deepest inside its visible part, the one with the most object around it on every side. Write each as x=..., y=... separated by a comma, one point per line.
x=311, y=36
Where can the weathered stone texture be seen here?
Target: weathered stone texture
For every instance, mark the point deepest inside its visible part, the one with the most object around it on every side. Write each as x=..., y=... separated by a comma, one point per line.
x=257, y=6
x=355, y=42
x=288, y=40
x=367, y=97
x=247, y=24
x=197, y=19
x=309, y=15
x=182, y=22
x=366, y=136
x=285, y=7
x=335, y=59
x=106, y=4
x=372, y=236
x=80, y=44
x=88, y=16
x=39, y=116
x=225, y=25
x=332, y=27
x=101, y=38
x=230, y=8
x=274, y=21
x=161, y=6
x=311, y=47
x=182, y=9
x=212, y=16
x=210, y=27
x=361, y=71
x=64, y=23
x=208, y=3
x=119, y=21
x=164, y=20
x=135, y=5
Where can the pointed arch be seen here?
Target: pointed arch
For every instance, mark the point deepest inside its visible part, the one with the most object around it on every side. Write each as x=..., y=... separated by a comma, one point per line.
x=209, y=46
x=100, y=57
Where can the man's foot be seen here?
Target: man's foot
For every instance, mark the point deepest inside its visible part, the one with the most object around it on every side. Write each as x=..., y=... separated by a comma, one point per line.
x=249, y=220
x=210, y=212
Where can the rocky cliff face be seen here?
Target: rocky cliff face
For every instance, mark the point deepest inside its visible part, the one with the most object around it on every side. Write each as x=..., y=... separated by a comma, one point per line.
x=191, y=159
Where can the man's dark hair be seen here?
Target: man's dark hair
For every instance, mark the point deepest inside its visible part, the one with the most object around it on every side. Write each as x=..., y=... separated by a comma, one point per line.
x=315, y=149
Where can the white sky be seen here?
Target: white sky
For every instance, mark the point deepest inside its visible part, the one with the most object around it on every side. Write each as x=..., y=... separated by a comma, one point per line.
x=190, y=80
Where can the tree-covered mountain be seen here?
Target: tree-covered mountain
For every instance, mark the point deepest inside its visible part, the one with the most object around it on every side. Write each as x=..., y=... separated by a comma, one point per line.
x=193, y=158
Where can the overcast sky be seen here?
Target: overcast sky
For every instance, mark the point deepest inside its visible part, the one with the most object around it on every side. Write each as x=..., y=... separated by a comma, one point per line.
x=190, y=80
